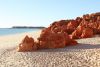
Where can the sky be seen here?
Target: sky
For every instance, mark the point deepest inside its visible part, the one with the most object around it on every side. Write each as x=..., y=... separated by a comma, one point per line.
x=43, y=12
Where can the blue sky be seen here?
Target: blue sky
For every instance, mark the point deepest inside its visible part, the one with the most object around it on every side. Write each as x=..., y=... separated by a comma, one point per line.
x=43, y=12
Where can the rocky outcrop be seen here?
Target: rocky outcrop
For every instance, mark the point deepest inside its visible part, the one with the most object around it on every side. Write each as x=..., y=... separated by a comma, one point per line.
x=46, y=40
x=54, y=40
x=91, y=21
x=79, y=27
x=62, y=33
x=82, y=32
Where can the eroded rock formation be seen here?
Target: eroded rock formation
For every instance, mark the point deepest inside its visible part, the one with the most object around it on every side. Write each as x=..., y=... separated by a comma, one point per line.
x=62, y=33
x=27, y=44
x=55, y=40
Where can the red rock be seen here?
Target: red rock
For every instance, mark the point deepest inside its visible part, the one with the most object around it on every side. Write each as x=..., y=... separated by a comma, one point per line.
x=73, y=42
x=54, y=40
x=97, y=14
x=98, y=18
x=86, y=17
x=59, y=26
x=78, y=20
x=87, y=33
x=61, y=33
x=72, y=25
x=51, y=40
x=27, y=44
x=77, y=33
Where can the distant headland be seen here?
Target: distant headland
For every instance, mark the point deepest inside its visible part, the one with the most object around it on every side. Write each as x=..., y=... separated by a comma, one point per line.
x=28, y=27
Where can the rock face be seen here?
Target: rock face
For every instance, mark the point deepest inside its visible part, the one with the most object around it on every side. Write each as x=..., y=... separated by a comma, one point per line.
x=82, y=32
x=87, y=33
x=67, y=26
x=62, y=33
x=54, y=40
x=79, y=27
x=46, y=40
x=77, y=33
x=27, y=44
x=91, y=21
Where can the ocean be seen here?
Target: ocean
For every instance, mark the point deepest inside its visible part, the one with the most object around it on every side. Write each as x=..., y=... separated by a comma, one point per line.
x=9, y=31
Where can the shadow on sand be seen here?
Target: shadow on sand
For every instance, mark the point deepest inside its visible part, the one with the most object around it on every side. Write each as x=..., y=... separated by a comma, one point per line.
x=75, y=48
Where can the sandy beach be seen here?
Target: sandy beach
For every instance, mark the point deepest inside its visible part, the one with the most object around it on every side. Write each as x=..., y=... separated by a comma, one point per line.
x=85, y=54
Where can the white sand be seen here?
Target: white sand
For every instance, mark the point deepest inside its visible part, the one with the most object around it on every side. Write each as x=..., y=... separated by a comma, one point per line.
x=86, y=54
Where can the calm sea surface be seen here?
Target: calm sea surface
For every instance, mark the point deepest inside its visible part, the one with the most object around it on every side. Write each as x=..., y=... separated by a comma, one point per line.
x=7, y=31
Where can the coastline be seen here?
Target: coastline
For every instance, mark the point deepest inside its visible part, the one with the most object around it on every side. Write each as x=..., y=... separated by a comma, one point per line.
x=11, y=31
x=86, y=53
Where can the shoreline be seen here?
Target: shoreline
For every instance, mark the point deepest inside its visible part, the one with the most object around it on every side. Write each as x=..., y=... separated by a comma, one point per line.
x=11, y=31
x=23, y=33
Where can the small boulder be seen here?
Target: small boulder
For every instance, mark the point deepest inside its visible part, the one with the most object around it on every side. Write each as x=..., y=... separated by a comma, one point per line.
x=27, y=44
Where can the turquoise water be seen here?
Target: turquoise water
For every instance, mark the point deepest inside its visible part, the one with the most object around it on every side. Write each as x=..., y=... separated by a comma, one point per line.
x=8, y=31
